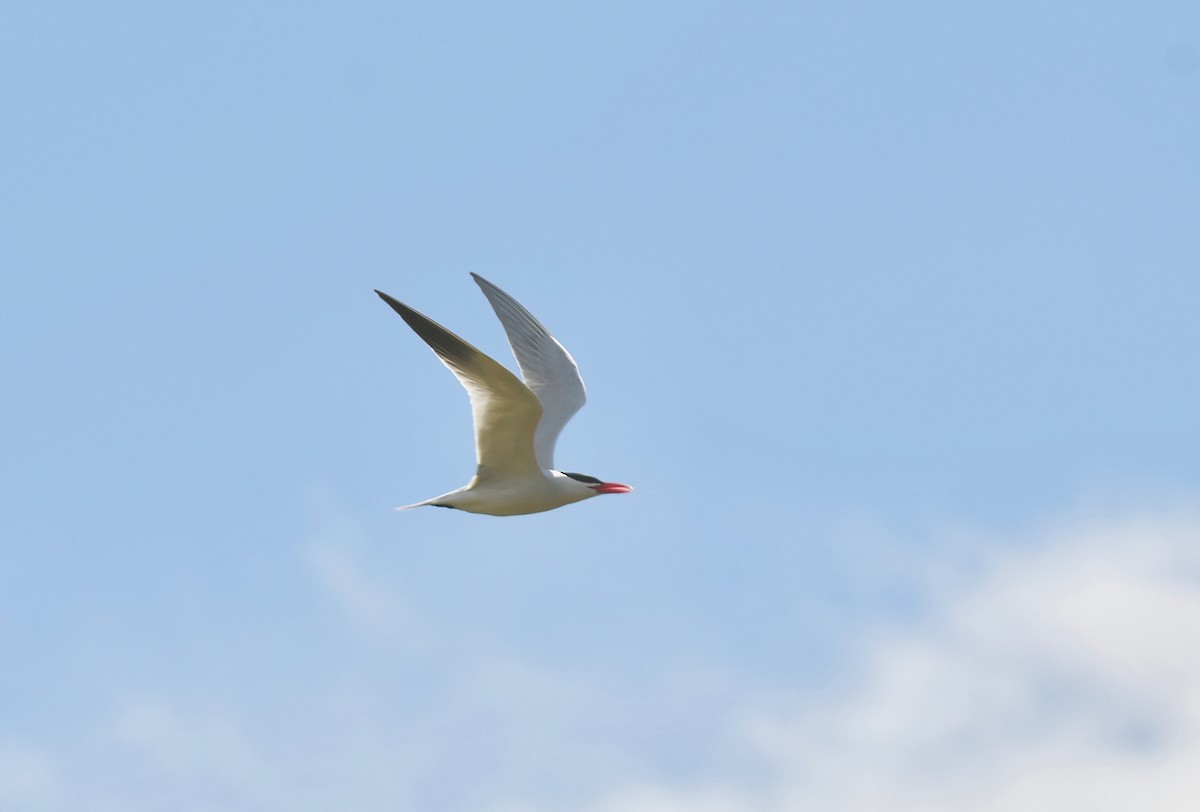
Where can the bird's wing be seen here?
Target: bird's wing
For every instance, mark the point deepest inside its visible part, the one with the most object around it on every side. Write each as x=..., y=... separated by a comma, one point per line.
x=506, y=412
x=548, y=368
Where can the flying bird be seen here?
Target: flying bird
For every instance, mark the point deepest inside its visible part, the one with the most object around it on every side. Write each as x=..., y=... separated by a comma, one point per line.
x=516, y=424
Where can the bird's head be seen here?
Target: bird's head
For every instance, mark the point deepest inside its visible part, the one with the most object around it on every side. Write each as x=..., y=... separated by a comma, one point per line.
x=597, y=485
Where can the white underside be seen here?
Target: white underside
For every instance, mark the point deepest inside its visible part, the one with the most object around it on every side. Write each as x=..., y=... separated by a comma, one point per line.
x=512, y=496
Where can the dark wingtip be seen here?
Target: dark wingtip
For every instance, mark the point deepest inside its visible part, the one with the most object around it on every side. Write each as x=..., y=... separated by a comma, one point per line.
x=445, y=343
x=395, y=304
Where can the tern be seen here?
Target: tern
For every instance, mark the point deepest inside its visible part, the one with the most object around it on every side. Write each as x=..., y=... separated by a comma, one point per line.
x=516, y=424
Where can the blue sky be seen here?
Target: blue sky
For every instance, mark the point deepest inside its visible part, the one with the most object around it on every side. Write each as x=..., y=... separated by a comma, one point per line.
x=887, y=312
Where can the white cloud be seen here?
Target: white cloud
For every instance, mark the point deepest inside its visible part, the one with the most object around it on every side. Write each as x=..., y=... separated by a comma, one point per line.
x=1064, y=675
x=1059, y=671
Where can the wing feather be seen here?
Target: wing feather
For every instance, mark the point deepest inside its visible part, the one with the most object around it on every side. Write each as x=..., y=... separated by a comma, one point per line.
x=505, y=411
x=548, y=369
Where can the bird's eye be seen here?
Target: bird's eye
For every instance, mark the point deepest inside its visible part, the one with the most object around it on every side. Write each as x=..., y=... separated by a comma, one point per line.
x=591, y=480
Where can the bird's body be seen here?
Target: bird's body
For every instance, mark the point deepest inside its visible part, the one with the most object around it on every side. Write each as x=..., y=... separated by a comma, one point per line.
x=516, y=423
x=512, y=496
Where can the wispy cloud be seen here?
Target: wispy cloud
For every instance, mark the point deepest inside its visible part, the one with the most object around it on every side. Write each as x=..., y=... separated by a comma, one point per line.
x=174, y=743
x=28, y=778
x=333, y=559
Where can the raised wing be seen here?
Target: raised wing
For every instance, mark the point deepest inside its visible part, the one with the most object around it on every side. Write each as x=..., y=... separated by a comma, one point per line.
x=505, y=411
x=548, y=368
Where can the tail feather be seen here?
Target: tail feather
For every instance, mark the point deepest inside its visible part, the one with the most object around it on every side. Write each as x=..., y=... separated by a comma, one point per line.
x=410, y=507
x=437, y=501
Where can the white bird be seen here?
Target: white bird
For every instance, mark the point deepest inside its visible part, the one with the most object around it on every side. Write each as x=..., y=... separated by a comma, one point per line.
x=516, y=424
